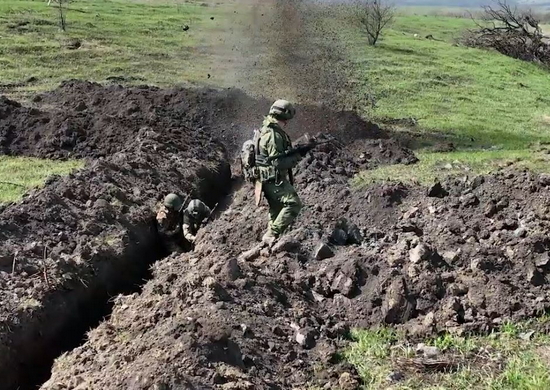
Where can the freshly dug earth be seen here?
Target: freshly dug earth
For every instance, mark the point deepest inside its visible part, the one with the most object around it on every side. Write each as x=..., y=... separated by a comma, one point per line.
x=84, y=119
x=68, y=247
x=65, y=249
x=461, y=256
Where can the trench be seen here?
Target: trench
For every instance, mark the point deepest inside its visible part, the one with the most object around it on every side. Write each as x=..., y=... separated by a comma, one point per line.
x=95, y=306
x=91, y=306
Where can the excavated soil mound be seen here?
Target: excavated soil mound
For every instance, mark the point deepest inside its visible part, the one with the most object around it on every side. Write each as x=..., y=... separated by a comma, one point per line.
x=66, y=248
x=84, y=119
x=462, y=256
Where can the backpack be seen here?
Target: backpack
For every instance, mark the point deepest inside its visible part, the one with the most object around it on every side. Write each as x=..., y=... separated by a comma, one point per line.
x=249, y=152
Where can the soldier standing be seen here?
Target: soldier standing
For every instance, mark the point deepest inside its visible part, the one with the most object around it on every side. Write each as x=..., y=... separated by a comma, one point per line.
x=275, y=170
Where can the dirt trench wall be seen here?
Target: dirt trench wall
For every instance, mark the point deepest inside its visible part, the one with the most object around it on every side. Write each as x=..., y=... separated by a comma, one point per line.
x=230, y=316
x=65, y=315
x=90, y=235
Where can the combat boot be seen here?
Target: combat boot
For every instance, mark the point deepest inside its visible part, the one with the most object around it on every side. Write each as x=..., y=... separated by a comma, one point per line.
x=269, y=238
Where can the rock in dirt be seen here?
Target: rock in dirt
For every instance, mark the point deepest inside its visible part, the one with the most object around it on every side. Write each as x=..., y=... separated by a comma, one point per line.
x=543, y=260
x=354, y=235
x=231, y=270
x=396, y=308
x=286, y=244
x=526, y=336
x=251, y=254
x=544, y=180
x=469, y=200
x=323, y=251
x=305, y=337
x=348, y=382
x=477, y=182
x=419, y=253
x=451, y=256
x=338, y=237
x=520, y=232
x=423, y=252
x=345, y=280
x=426, y=351
x=411, y=213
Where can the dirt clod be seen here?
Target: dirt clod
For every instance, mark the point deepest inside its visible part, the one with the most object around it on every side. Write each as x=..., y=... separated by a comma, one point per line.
x=323, y=251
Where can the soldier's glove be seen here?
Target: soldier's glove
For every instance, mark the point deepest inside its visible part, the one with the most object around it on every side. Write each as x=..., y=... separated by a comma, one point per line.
x=303, y=149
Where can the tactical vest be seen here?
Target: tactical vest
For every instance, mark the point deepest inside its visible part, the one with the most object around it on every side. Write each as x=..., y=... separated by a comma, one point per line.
x=254, y=164
x=267, y=172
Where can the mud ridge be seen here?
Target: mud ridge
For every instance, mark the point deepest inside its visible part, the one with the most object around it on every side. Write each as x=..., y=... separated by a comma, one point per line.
x=83, y=119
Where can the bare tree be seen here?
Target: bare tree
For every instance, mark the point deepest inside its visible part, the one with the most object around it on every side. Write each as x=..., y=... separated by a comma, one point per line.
x=61, y=6
x=512, y=32
x=373, y=16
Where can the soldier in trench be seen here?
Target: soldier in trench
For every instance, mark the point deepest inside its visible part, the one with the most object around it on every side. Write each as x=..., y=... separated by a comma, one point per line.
x=178, y=226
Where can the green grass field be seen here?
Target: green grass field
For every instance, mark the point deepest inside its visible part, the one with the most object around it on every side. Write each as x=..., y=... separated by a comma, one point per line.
x=478, y=98
x=143, y=40
x=481, y=101
x=511, y=358
x=19, y=174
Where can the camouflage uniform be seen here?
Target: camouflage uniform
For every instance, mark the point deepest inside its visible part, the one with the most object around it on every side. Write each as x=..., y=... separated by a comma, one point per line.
x=193, y=217
x=276, y=178
x=169, y=227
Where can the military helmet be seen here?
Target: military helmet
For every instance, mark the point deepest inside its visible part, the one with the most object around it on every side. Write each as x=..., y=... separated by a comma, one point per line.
x=195, y=208
x=172, y=201
x=282, y=109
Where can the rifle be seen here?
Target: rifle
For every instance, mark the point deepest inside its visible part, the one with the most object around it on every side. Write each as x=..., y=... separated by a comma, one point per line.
x=298, y=149
x=212, y=212
x=209, y=218
x=183, y=204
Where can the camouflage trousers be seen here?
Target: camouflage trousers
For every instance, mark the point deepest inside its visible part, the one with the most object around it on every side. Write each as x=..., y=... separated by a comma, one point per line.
x=284, y=205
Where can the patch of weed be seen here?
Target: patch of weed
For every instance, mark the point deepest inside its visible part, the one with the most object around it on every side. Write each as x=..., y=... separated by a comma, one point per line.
x=19, y=174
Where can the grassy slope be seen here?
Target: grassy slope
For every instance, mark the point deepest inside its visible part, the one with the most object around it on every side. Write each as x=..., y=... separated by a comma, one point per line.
x=474, y=98
x=144, y=40
x=509, y=359
x=19, y=174
x=467, y=93
x=119, y=38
